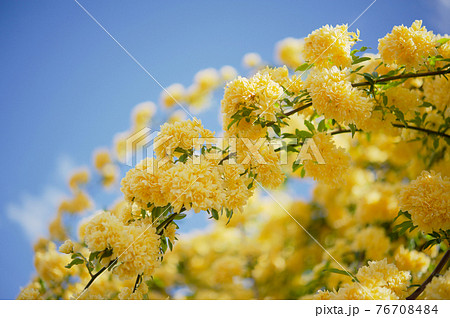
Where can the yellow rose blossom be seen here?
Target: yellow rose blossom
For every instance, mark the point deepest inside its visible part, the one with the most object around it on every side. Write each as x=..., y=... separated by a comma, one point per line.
x=251, y=60
x=329, y=45
x=101, y=158
x=334, y=97
x=141, y=115
x=228, y=73
x=141, y=184
x=427, y=199
x=439, y=288
x=170, y=232
x=436, y=91
x=289, y=51
x=66, y=247
x=78, y=178
x=179, y=134
x=414, y=261
x=193, y=185
x=172, y=95
x=408, y=46
x=373, y=241
x=337, y=162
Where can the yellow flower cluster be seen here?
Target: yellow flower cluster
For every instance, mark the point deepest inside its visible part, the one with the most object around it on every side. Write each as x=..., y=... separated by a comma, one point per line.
x=436, y=92
x=251, y=60
x=379, y=280
x=334, y=97
x=337, y=162
x=102, y=158
x=407, y=100
x=198, y=95
x=427, y=199
x=378, y=204
x=329, y=46
x=50, y=265
x=179, y=134
x=289, y=51
x=411, y=260
x=79, y=203
x=198, y=185
x=66, y=247
x=373, y=241
x=408, y=46
x=261, y=91
x=136, y=245
x=193, y=185
x=78, y=178
x=141, y=115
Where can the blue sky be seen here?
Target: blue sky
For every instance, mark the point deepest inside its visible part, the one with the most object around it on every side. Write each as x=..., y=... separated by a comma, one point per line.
x=66, y=88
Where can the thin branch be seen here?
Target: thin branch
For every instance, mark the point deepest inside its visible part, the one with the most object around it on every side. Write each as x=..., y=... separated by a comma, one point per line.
x=432, y=132
x=402, y=76
x=93, y=277
x=138, y=282
x=165, y=223
x=436, y=271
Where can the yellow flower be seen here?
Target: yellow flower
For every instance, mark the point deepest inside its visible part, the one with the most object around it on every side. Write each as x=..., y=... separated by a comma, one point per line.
x=407, y=46
x=436, y=92
x=78, y=178
x=170, y=232
x=337, y=162
x=172, y=95
x=378, y=204
x=141, y=115
x=141, y=184
x=228, y=73
x=179, y=134
x=334, y=97
x=237, y=192
x=56, y=229
x=193, y=185
x=329, y=45
x=50, y=265
x=439, y=288
x=79, y=203
x=378, y=280
x=135, y=245
x=207, y=79
x=227, y=267
x=407, y=100
x=101, y=158
x=427, y=199
x=289, y=51
x=414, y=261
x=66, y=247
x=251, y=60
x=29, y=293
x=373, y=241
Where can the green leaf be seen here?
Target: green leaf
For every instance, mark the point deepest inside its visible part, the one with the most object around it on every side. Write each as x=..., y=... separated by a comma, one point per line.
x=303, y=67
x=361, y=59
x=322, y=125
x=76, y=261
x=276, y=129
x=180, y=216
x=310, y=126
x=353, y=129
x=339, y=271
x=303, y=172
x=215, y=214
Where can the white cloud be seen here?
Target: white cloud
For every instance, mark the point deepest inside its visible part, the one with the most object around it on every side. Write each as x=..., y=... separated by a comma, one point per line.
x=32, y=212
